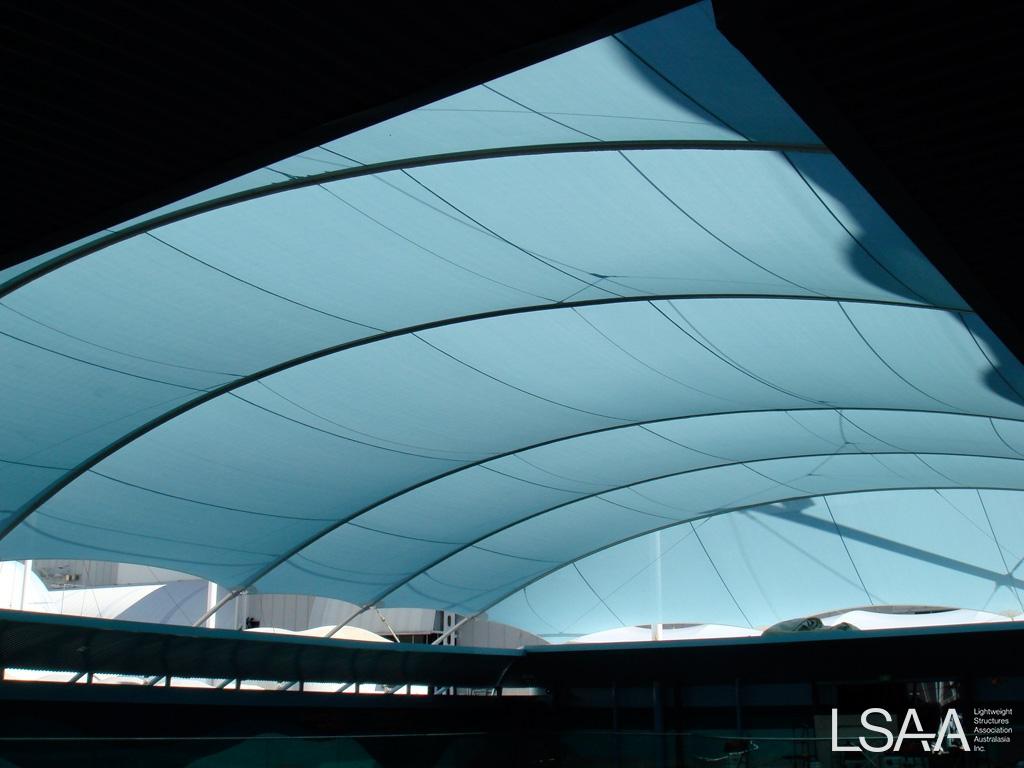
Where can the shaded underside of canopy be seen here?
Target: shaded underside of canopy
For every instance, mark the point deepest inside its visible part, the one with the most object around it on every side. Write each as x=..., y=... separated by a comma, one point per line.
x=611, y=322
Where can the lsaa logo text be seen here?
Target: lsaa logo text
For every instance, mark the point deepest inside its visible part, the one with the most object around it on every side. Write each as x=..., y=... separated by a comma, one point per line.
x=880, y=721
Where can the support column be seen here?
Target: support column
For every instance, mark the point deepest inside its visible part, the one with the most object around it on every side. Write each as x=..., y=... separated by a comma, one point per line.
x=25, y=573
x=656, y=626
x=211, y=605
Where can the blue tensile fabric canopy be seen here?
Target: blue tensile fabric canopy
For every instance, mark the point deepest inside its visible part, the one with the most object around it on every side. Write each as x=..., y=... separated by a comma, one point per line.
x=612, y=339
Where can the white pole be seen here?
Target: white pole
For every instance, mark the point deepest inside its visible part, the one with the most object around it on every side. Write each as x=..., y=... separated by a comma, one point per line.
x=26, y=571
x=211, y=603
x=656, y=626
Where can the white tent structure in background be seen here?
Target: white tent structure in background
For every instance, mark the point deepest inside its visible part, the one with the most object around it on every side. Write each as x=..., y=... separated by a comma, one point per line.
x=345, y=633
x=31, y=594
x=869, y=618
x=669, y=632
x=908, y=618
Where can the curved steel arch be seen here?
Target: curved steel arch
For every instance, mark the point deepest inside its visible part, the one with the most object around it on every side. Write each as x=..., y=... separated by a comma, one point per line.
x=78, y=470
x=73, y=254
x=1017, y=583
x=375, y=601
